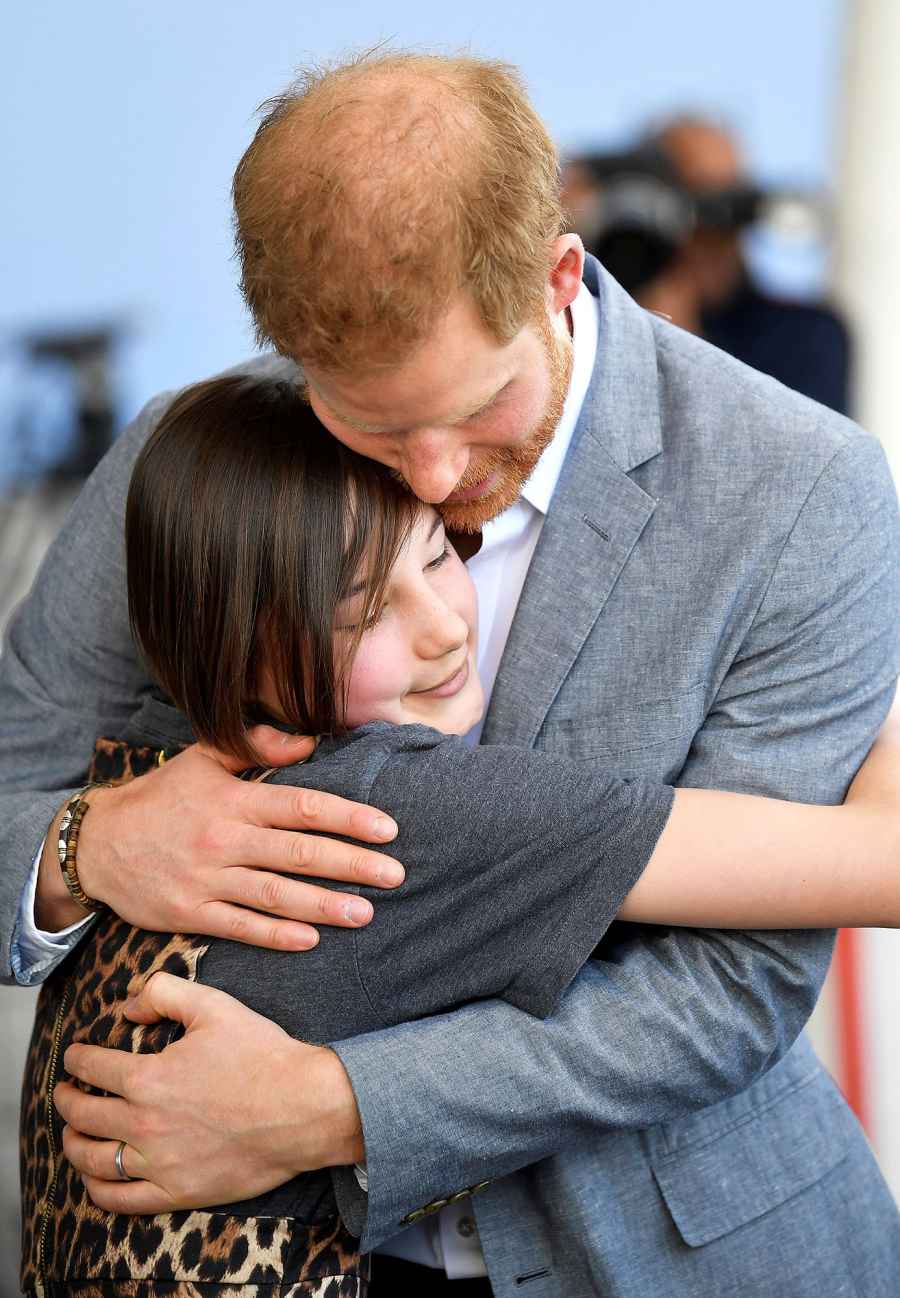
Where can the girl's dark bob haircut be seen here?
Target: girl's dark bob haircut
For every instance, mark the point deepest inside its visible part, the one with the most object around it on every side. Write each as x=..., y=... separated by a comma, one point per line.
x=247, y=524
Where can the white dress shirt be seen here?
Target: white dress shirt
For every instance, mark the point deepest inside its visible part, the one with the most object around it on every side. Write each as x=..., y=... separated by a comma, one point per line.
x=448, y=1240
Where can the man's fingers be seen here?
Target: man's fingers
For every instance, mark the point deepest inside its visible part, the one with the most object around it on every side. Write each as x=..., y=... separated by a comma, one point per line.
x=238, y=924
x=93, y=1115
x=131, y=1197
x=279, y=807
x=102, y=1067
x=276, y=895
x=97, y=1158
x=315, y=857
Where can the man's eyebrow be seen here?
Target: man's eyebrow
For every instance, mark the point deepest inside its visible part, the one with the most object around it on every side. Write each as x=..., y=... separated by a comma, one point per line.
x=358, y=424
x=482, y=405
x=379, y=429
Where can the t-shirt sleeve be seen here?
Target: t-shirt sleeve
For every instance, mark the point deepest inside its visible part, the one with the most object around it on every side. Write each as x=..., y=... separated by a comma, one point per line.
x=517, y=862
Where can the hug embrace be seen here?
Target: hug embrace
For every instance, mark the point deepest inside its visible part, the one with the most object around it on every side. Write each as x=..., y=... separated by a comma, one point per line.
x=571, y=807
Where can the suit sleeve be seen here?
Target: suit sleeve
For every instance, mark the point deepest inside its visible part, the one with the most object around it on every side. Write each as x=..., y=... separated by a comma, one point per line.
x=69, y=671
x=516, y=864
x=669, y=1021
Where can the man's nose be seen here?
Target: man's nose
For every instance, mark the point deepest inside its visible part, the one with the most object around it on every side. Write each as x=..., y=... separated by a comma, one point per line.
x=433, y=463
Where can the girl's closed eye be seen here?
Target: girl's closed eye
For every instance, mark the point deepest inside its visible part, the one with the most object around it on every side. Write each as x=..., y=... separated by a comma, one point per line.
x=441, y=558
x=350, y=628
x=377, y=616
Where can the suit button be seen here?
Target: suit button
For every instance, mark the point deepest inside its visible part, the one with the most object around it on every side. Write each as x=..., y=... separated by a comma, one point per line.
x=466, y=1227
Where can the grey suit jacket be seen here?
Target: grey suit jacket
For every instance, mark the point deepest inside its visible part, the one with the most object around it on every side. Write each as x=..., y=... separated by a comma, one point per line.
x=714, y=601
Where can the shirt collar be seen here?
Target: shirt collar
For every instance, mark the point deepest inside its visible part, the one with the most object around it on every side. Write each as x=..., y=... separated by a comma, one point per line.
x=539, y=488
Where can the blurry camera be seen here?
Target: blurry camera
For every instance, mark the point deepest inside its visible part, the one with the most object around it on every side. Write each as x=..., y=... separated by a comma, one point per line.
x=634, y=215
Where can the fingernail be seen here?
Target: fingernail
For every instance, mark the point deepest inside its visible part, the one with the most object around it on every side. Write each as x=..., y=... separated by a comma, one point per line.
x=384, y=828
x=358, y=911
x=390, y=874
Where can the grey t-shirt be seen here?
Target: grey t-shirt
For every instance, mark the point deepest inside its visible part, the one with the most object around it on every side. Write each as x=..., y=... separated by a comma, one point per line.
x=516, y=863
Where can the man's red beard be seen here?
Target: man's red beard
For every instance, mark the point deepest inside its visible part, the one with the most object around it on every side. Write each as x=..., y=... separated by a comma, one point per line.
x=514, y=465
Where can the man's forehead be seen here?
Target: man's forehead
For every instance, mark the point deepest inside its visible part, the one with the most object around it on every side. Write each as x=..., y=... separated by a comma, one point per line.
x=457, y=369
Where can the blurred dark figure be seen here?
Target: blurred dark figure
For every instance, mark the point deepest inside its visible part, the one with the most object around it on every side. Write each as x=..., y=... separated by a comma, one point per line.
x=50, y=445
x=667, y=219
x=804, y=345
x=88, y=354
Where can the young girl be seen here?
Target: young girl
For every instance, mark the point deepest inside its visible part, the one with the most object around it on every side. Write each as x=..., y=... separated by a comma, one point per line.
x=275, y=575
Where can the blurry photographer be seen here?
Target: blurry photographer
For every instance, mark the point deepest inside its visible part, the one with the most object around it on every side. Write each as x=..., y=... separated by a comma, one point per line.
x=667, y=220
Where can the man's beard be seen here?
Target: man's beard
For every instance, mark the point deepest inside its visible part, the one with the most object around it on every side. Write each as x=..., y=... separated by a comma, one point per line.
x=514, y=465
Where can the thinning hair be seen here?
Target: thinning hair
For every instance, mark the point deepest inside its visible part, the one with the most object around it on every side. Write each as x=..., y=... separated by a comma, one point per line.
x=377, y=189
x=247, y=524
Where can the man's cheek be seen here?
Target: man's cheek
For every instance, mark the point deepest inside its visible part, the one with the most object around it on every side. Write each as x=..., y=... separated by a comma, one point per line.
x=517, y=422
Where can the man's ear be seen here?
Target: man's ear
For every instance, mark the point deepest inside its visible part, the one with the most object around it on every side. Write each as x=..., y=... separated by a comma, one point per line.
x=564, y=280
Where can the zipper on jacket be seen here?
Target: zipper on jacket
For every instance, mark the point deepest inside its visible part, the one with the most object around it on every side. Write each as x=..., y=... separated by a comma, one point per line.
x=50, y=1200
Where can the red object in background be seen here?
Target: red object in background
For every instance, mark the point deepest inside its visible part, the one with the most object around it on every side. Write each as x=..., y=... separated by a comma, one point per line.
x=851, y=1027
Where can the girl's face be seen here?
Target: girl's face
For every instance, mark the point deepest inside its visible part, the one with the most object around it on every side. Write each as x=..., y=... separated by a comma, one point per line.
x=416, y=662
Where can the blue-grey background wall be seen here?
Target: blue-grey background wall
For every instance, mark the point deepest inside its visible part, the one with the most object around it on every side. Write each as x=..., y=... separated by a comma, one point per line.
x=122, y=121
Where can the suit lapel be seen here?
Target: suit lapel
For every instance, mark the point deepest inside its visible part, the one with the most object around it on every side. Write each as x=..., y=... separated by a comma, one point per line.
x=595, y=519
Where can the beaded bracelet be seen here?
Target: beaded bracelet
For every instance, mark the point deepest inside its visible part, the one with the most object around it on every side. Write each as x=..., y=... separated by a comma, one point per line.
x=67, y=847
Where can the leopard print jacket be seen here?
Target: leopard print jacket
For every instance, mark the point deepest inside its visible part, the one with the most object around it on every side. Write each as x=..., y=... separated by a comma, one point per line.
x=72, y=1249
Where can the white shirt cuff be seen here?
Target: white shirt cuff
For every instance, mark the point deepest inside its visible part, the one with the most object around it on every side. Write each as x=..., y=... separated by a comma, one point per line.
x=34, y=952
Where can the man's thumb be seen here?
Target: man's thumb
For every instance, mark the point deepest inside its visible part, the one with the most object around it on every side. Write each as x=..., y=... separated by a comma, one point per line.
x=272, y=747
x=165, y=996
x=277, y=748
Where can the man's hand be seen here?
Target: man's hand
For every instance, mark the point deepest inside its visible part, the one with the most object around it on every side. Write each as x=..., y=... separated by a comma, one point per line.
x=230, y=1110
x=189, y=848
